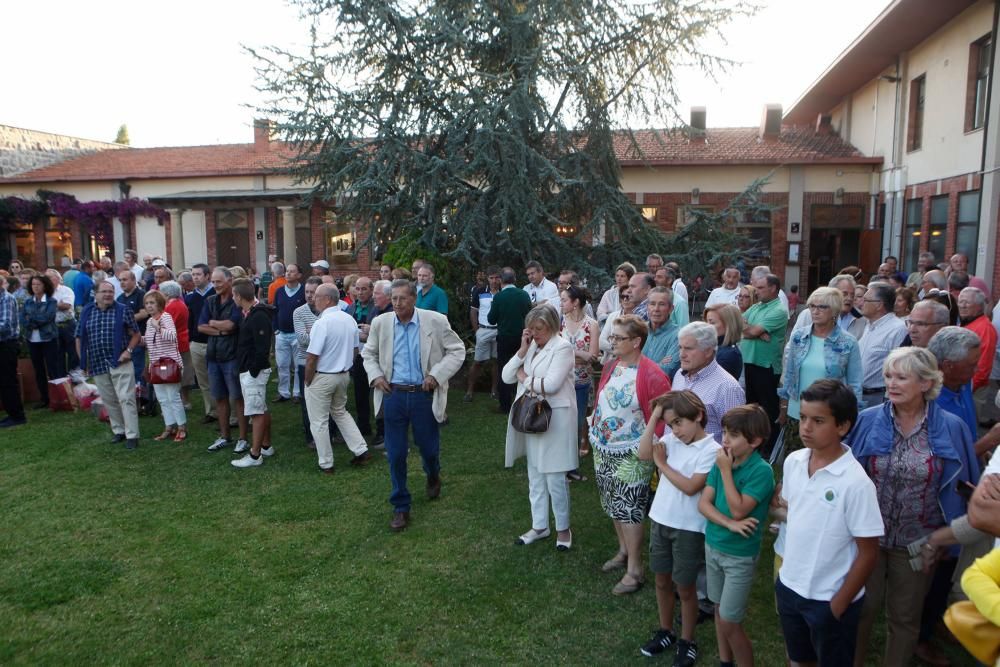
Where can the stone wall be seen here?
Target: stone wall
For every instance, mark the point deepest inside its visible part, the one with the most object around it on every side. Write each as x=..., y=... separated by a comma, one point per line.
x=23, y=150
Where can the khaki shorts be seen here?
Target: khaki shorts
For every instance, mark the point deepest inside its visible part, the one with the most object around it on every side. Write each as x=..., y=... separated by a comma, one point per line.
x=254, y=392
x=730, y=579
x=486, y=344
x=679, y=553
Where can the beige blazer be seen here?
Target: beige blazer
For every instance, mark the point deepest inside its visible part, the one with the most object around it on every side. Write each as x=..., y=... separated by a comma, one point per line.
x=441, y=354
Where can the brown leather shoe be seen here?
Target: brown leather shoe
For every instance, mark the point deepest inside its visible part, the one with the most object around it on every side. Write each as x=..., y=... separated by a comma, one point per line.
x=400, y=520
x=362, y=459
x=433, y=487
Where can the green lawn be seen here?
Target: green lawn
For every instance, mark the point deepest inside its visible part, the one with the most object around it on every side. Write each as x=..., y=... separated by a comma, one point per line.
x=167, y=554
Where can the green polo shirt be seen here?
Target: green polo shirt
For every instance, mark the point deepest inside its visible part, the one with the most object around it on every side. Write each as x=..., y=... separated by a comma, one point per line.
x=510, y=305
x=773, y=316
x=753, y=478
x=433, y=299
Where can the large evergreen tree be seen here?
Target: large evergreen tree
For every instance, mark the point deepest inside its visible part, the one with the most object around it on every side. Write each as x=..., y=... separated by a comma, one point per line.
x=487, y=126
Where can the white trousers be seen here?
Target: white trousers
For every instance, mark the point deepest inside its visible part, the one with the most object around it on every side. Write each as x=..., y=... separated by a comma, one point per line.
x=543, y=488
x=117, y=391
x=169, y=396
x=327, y=396
x=286, y=346
x=200, y=363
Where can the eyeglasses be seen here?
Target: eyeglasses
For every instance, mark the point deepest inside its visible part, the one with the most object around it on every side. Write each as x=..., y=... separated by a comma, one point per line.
x=615, y=338
x=819, y=306
x=918, y=323
x=867, y=300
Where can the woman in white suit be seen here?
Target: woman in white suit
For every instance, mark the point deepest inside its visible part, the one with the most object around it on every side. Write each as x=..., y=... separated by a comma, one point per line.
x=545, y=362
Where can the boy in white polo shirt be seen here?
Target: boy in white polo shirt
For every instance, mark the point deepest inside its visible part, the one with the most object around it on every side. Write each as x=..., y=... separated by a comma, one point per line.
x=684, y=456
x=831, y=532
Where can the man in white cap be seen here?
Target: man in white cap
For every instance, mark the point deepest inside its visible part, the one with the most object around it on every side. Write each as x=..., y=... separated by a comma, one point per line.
x=320, y=267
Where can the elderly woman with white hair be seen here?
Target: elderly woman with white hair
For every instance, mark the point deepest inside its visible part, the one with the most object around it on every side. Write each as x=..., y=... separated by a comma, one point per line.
x=544, y=365
x=178, y=310
x=916, y=454
x=821, y=350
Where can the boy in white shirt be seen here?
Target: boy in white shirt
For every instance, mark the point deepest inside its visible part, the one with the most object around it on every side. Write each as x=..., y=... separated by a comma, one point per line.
x=684, y=456
x=831, y=532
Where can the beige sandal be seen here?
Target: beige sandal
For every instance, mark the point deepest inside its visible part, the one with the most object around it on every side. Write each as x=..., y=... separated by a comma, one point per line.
x=166, y=435
x=616, y=563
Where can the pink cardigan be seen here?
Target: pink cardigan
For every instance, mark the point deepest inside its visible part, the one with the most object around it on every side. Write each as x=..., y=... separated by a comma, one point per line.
x=650, y=382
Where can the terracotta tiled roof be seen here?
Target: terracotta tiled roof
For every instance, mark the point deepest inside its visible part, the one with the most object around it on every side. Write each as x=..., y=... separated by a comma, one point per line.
x=170, y=162
x=738, y=145
x=721, y=146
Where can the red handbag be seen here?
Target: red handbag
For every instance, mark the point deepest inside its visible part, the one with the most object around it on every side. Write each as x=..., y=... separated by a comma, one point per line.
x=164, y=371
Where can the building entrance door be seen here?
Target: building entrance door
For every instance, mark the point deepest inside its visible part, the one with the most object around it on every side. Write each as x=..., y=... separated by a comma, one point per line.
x=834, y=241
x=232, y=243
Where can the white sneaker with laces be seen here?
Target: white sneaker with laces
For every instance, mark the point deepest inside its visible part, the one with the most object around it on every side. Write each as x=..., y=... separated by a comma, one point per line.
x=220, y=443
x=247, y=461
x=267, y=451
x=241, y=447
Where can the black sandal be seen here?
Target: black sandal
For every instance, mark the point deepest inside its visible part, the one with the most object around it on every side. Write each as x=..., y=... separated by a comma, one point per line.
x=575, y=476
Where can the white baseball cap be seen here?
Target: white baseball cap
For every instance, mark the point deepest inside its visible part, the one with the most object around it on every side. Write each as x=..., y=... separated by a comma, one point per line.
x=320, y=264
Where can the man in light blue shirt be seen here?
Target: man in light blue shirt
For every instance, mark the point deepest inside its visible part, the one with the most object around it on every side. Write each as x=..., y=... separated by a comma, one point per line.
x=409, y=357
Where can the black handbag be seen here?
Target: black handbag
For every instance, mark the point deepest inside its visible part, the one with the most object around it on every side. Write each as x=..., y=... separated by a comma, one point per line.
x=531, y=413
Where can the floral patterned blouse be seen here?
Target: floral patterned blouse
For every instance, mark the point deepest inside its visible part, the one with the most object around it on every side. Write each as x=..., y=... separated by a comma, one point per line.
x=618, y=423
x=580, y=340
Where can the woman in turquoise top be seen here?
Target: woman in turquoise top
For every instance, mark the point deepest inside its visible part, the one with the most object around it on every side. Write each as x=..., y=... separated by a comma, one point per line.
x=823, y=350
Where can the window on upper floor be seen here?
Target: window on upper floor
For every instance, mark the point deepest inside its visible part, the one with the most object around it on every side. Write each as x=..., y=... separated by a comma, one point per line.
x=915, y=124
x=979, y=74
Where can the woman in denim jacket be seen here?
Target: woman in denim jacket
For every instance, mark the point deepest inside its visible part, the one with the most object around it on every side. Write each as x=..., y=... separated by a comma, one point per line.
x=823, y=350
x=38, y=325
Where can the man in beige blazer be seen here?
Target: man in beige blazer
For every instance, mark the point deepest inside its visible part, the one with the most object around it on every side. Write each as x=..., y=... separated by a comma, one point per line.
x=410, y=355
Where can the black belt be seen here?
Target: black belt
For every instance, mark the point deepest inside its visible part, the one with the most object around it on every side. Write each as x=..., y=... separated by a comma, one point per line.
x=408, y=388
x=487, y=326
x=331, y=372
x=876, y=390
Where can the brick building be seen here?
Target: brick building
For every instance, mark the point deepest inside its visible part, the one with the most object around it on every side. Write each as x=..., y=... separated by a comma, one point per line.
x=893, y=150
x=916, y=88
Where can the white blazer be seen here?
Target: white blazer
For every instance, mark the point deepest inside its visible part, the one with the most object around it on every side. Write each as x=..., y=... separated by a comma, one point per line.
x=556, y=450
x=441, y=354
x=553, y=365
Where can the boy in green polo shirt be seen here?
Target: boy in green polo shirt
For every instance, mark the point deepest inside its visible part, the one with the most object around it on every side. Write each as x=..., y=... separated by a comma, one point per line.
x=735, y=502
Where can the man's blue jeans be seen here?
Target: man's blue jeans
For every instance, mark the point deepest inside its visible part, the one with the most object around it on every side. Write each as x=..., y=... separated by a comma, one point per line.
x=402, y=410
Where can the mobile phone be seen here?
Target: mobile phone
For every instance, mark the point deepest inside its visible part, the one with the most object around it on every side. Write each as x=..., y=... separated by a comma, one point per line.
x=964, y=490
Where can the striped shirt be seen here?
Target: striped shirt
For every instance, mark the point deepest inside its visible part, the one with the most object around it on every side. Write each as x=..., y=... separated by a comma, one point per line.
x=303, y=318
x=162, y=343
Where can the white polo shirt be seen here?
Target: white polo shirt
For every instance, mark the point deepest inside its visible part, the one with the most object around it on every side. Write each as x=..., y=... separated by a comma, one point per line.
x=671, y=506
x=826, y=512
x=333, y=339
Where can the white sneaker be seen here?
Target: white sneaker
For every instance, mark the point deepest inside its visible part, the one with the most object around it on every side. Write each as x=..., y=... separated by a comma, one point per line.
x=267, y=451
x=247, y=462
x=241, y=447
x=221, y=443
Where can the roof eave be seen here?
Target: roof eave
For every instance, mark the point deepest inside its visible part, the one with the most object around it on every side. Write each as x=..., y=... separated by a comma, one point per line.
x=14, y=180
x=737, y=162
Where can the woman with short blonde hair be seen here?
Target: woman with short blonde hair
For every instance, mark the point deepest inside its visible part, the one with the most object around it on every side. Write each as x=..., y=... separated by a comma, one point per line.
x=728, y=322
x=918, y=455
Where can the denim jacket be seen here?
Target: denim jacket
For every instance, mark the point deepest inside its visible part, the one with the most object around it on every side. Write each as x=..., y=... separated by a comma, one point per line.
x=39, y=315
x=841, y=356
x=950, y=441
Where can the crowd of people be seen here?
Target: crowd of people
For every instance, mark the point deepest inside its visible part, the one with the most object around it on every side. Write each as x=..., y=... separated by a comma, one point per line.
x=858, y=427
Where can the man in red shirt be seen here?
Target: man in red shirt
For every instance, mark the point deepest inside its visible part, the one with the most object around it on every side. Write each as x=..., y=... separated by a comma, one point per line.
x=972, y=311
